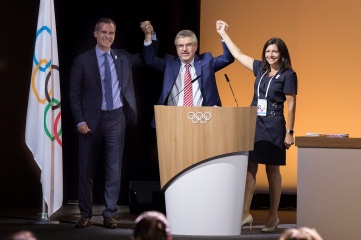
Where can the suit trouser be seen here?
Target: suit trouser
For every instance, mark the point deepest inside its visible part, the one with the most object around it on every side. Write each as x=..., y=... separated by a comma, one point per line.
x=107, y=138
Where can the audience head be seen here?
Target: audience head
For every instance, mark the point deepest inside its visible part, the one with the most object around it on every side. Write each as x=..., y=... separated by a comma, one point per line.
x=151, y=225
x=302, y=233
x=21, y=235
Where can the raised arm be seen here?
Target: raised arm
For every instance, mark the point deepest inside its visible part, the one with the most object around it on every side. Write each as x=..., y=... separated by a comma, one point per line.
x=245, y=60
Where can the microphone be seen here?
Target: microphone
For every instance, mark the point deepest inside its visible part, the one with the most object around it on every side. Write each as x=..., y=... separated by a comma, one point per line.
x=235, y=99
x=191, y=82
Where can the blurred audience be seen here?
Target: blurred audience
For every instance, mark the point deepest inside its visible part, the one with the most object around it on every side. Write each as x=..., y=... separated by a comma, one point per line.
x=151, y=225
x=303, y=233
x=21, y=235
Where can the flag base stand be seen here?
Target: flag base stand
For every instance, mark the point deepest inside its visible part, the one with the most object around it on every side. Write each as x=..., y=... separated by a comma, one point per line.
x=44, y=220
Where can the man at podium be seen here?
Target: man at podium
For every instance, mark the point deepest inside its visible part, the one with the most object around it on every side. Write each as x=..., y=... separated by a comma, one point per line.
x=189, y=79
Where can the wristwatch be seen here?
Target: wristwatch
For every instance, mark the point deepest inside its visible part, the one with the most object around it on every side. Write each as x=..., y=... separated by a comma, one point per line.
x=290, y=132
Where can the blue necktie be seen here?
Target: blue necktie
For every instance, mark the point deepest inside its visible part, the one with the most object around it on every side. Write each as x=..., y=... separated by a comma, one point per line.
x=108, y=84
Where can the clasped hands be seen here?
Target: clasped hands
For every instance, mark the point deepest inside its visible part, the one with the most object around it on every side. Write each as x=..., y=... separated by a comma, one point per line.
x=147, y=28
x=221, y=26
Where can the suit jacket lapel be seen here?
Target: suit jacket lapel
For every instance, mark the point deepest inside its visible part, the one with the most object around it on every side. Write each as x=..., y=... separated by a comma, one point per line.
x=118, y=62
x=176, y=67
x=198, y=65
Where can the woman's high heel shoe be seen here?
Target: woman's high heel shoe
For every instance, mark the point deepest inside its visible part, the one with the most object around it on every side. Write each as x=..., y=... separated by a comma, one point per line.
x=271, y=229
x=248, y=220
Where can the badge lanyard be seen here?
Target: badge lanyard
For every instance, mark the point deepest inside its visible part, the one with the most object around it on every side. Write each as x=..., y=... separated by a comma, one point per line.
x=262, y=103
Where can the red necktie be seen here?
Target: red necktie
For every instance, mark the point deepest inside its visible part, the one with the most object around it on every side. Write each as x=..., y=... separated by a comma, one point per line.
x=188, y=92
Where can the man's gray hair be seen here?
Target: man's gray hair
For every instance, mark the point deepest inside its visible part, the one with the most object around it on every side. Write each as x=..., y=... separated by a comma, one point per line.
x=186, y=33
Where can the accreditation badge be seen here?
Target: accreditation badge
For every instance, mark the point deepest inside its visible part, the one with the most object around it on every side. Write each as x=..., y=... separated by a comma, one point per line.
x=262, y=107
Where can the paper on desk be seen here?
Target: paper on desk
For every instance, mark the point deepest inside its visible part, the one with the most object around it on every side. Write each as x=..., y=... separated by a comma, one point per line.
x=332, y=135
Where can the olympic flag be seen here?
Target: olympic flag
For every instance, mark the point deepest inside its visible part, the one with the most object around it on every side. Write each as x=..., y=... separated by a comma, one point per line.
x=43, y=134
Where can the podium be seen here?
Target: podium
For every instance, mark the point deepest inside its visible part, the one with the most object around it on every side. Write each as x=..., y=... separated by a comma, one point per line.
x=203, y=157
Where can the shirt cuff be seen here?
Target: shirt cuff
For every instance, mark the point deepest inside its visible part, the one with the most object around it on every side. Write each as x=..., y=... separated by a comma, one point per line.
x=80, y=124
x=154, y=37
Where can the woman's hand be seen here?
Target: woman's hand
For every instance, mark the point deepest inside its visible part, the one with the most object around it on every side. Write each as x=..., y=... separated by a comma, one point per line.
x=289, y=140
x=221, y=26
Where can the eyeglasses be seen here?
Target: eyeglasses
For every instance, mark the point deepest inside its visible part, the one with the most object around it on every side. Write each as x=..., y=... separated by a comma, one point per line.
x=187, y=46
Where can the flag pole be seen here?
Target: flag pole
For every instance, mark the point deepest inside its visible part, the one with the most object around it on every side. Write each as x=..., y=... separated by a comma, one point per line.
x=43, y=214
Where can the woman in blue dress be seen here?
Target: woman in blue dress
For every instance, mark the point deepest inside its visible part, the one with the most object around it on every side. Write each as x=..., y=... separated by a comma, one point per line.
x=275, y=83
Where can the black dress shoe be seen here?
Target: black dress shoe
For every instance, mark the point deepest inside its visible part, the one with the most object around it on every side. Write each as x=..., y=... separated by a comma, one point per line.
x=83, y=223
x=109, y=223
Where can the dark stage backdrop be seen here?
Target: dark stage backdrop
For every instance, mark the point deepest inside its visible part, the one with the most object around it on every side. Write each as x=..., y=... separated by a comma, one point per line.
x=75, y=20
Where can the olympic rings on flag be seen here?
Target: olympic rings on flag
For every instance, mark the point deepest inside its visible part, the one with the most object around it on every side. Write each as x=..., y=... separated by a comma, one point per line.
x=47, y=29
x=56, y=134
x=52, y=121
x=33, y=83
x=199, y=117
x=48, y=95
x=55, y=127
x=46, y=86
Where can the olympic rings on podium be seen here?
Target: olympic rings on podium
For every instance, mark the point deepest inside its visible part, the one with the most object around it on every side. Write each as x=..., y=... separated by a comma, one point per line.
x=199, y=117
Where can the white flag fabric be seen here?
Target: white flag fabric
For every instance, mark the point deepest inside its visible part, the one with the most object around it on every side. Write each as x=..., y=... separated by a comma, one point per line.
x=43, y=134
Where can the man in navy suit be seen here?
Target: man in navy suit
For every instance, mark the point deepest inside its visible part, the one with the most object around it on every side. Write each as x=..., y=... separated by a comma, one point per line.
x=102, y=101
x=202, y=70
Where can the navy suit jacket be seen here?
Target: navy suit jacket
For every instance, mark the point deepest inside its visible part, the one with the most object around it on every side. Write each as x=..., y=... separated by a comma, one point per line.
x=86, y=90
x=205, y=64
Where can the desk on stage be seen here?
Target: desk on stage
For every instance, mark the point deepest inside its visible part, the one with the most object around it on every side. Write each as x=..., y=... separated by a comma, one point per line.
x=329, y=186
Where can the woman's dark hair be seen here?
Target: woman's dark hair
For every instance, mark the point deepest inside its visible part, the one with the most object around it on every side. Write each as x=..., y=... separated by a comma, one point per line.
x=285, y=59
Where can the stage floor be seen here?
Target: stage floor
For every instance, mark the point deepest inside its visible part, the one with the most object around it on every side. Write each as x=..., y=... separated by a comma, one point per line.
x=61, y=225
